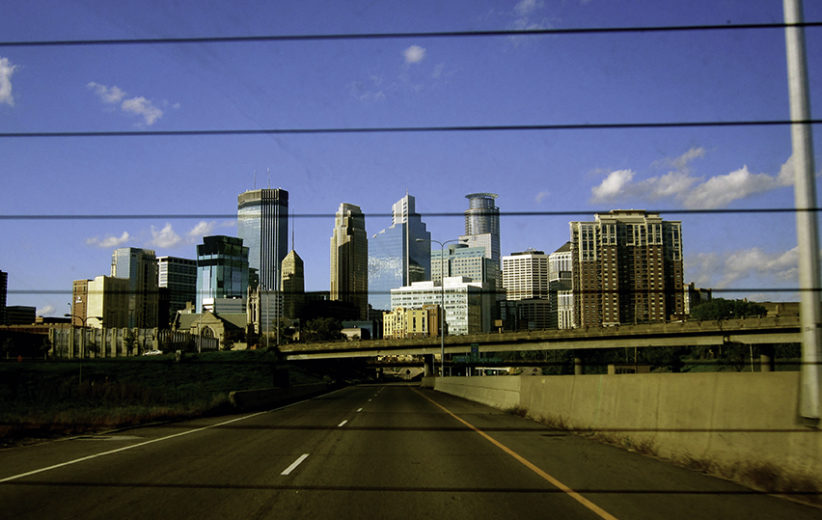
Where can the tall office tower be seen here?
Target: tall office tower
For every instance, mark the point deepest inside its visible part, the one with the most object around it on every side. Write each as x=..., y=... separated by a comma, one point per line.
x=398, y=255
x=222, y=270
x=525, y=275
x=482, y=230
x=109, y=303
x=4, y=283
x=292, y=284
x=140, y=267
x=559, y=287
x=179, y=277
x=626, y=268
x=482, y=224
x=349, y=258
x=262, y=223
x=79, y=302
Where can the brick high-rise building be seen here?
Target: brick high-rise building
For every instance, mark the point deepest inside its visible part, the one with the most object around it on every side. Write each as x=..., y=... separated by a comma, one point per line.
x=626, y=268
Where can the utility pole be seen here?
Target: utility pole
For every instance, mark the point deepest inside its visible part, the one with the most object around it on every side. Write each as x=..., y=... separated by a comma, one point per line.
x=806, y=214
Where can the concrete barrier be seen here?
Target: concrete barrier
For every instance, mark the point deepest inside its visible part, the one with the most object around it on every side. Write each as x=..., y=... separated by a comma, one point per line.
x=741, y=426
x=245, y=400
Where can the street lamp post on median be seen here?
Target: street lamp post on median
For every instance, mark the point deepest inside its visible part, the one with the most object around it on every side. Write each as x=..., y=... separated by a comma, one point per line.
x=442, y=299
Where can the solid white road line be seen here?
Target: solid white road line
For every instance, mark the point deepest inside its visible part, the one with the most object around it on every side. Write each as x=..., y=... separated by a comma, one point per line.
x=294, y=464
x=118, y=450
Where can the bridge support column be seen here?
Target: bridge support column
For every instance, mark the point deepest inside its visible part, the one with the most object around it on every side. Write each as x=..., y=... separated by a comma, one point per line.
x=428, y=365
x=577, y=366
x=766, y=358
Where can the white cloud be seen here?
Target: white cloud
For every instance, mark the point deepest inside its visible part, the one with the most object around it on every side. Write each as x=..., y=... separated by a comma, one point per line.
x=46, y=310
x=720, y=191
x=691, y=191
x=414, y=54
x=137, y=105
x=6, y=71
x=525, y=7
x=201, y=229
x=165, y=237
x=142, y=107
x=723, y=270
x=541, y=196
x=110, y=95
x=109, y=241
x=613, y=185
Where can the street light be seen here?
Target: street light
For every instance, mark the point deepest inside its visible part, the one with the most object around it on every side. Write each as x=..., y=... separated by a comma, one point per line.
x=442, y=299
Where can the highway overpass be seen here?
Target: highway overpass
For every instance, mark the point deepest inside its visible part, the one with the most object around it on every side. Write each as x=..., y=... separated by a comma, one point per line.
x=751, y=331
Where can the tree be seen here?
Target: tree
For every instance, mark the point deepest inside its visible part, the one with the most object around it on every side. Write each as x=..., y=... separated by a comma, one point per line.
x=722, y=309
x=322, y=329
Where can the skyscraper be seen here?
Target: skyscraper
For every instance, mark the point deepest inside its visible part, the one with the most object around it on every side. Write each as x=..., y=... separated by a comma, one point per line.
x=396, y=257
x=139, y=266
x=262, y=223
x=626, y=268
x=292, y=284
x=222, y=270
x=179, y=277
x=482, y=230
x=482, y=224
x=349, y=258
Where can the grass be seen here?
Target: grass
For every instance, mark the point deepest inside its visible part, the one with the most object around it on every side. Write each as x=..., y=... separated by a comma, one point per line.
x=43, y=399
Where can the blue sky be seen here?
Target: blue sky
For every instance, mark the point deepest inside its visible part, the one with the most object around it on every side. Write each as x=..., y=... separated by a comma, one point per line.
x=656, y=77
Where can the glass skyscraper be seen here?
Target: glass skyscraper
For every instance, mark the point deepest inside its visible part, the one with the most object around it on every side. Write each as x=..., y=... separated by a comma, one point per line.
x=262, y=223
x=482, y=224
x=395, y=257
x=222, y=269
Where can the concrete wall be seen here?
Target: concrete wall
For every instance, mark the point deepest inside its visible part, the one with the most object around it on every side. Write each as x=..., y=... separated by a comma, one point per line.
x=739, y=425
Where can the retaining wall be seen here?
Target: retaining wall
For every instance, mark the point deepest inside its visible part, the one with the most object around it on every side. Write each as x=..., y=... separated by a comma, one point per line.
x=739, y=425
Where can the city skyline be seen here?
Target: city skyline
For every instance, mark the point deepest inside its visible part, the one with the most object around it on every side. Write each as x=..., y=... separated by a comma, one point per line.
x=544, y=178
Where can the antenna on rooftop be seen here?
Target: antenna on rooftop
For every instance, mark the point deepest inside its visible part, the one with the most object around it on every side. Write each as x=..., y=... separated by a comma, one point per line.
x=268, y=170
x=255, y=179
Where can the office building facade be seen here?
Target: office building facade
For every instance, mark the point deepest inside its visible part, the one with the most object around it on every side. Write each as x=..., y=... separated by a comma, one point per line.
x=262, y=223
x=465, y=312
x=398, y=255
x=482, y=230
x=108, y=303
x=79, y=302
x=292, y=285
x=139, y=267
x=222, y=270
x=179, y=277
x=349, y=258
x=627, y=268
x=560, y=266
x=525, y=275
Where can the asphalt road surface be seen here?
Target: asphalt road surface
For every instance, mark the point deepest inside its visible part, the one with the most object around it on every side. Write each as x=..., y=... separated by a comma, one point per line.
x=363, y=452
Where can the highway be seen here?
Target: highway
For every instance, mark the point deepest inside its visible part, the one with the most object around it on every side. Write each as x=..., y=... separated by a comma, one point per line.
x=382, y=451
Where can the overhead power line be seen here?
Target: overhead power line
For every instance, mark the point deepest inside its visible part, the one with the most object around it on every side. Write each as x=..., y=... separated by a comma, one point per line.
x=404, y=35
x=409, y=129
x=431, y=214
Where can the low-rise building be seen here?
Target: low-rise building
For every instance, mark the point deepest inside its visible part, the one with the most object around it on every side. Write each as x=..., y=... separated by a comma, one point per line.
x=410, y=323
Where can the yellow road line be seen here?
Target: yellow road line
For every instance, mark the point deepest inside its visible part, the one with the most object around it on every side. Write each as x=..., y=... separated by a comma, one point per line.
x=528, y=464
